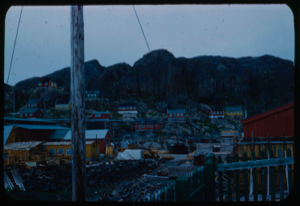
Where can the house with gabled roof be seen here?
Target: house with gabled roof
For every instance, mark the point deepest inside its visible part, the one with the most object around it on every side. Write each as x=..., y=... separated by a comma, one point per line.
x=127, y=108
x=216, y=112
x=63, y=104
x=36, y=103
x=46, y=82
x=147, y=124
x=234, y=111
x=91, y=94
x=176, y=115
x=34, y=112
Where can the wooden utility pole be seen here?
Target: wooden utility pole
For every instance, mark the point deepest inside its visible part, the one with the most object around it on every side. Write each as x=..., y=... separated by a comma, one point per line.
x=78, y=105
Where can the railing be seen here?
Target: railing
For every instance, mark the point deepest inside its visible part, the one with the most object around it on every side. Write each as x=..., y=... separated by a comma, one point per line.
x=199, y=185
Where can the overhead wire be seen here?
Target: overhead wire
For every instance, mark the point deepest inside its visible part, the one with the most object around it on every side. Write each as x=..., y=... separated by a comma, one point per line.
x=14, y=45
x=141, y=28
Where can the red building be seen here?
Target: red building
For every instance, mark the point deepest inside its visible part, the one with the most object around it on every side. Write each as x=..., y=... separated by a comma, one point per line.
x=127, y=108
x=216, y=112
x=32, y=113
x=147, y=124
x=36, y=103
x=176, y=115
x=46, y=82
x=101, y=115
x=276, y=122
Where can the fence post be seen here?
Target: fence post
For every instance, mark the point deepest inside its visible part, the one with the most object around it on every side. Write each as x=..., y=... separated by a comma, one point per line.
x=181, y=188
x=246, y=185
x=290, y=174
x=254, y=179
x=229, y=176
x=209, y=171
x=237, y=179
x=220, y=178
x=272, y=177
x=280, y=168
x=263, y=177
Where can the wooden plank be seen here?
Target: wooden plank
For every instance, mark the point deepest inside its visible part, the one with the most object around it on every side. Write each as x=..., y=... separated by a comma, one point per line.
x=237, y=179
x=181, y=188
x=290, y=178
x=272, y=178
x=254, y=179
x=281, y=186
x=246, y=185
x=162, y=195
x=229, y=178
x=255, y=164
x=263, y=177
x=210, y=179
x=220, y=175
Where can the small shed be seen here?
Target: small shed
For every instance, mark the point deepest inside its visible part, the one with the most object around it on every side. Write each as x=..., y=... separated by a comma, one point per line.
x=101, y=115
x=22, y=150
x=92, y=148
x=32, y=113
x=46, y=82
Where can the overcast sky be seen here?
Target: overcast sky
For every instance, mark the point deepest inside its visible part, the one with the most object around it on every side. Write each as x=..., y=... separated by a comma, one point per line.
x=113, y=35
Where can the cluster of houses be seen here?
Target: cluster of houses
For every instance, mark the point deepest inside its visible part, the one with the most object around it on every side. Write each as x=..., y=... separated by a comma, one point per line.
x=230, y=111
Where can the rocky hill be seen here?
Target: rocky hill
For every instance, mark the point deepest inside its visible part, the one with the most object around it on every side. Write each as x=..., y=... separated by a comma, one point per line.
x=263, y=82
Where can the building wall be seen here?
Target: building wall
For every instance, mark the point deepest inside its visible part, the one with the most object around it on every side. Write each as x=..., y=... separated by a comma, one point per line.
x=127, y=111
x=227, y=113
x=145, y=127
x=34, y=115
x=103, y=116
x=64, y=107
x=275, y=124
x=23, y=154
x=12, y=137
x=26, y=135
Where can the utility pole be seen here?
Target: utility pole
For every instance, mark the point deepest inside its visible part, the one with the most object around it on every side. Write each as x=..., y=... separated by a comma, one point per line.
x=14, y=105
x=78, y=105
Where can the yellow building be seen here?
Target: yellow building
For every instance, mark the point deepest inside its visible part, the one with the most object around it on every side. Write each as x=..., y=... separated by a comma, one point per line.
x=9, y=134
x=21, y=150
x=233, y=111
x=63, y=104
x=65, y=148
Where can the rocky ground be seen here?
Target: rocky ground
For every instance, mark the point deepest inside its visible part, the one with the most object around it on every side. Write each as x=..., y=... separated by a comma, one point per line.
x=109, y=181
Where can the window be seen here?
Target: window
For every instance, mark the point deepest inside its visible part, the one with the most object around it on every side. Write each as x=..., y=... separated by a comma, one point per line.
x=95, y=95
x=123, y=108
x=52, y=152
x=28, y=105
x=69, y=151
x=217, y=112
x=43, y=147
x=156, y=125
x=134, y=107
x=182, y=114
x=30, y=114
x=46, y=83
x=140, y=126
x=60, y=151
x=98, y=115
x=34, y=152
x=66, y=105
x=143, y=126
x=177, y=114
x=5, y=156
x=130, y=107
x=214, y=112
x=234, y=112
x=35, y=104
x=96, y=150
x=127, y=107
x=26, y=114
x=220, y=112
x=31, y=104
x=151, y=126
x=170, y=115
x=88, y=95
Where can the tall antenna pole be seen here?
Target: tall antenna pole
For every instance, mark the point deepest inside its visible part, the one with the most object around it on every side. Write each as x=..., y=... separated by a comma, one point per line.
x=14, y=106
x=77, y=87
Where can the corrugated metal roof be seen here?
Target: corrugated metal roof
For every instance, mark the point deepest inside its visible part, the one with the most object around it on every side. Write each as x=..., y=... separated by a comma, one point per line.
x=234, y=108
x=66, y=143
x=21, y=145
x=58, y=134
x=33, y=101
x=21, y=119
x=51, y=127
x=90, y=134
x=175, y=111
x=146, y=121
x=31, y=110
x=62, y=101
x=6, y=132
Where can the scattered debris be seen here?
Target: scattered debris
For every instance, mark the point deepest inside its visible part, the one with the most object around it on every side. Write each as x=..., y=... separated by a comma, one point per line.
x=18, y=179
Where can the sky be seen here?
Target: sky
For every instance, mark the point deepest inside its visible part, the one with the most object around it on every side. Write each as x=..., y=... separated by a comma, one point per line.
x=113, y=35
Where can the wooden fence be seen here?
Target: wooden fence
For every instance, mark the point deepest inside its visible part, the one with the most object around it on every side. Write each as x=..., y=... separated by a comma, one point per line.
x=199, y=185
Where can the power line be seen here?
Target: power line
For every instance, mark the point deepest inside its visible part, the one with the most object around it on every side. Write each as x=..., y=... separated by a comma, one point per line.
x=141, y=27
x=14, y=46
